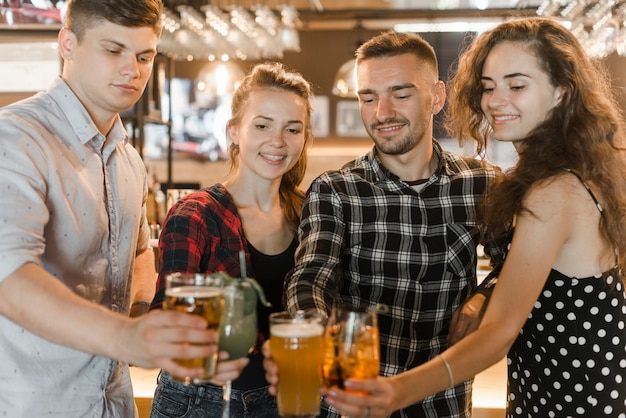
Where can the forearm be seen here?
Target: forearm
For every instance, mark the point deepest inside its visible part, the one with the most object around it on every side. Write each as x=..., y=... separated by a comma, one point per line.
x=144, y=283
x=466, y=359
x=40, y=303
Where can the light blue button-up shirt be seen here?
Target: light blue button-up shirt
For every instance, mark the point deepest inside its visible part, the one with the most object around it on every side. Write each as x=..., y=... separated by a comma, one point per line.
x=72, y=201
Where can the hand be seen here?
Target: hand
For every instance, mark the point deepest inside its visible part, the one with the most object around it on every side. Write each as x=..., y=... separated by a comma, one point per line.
x=466, y=319
x=379, y=402
x=155, y=339
x=271, y=369
x=228, y=370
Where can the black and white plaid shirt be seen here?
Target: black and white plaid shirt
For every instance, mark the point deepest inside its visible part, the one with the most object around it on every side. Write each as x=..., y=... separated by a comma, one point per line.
x=367, y=238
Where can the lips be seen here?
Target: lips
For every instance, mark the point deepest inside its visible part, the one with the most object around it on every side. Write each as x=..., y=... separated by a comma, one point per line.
x=504, y=118
x=387, y=129
x=273, y=157
x=129, y=88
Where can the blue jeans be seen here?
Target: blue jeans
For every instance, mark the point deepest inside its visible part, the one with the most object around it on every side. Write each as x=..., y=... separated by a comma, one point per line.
x=175, y=400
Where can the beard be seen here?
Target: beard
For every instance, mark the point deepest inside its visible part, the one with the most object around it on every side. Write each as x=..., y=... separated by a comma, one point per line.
x=397, y=145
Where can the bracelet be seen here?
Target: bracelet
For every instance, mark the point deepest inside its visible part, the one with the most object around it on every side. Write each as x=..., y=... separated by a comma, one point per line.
x=448, y=368
x=141, y=302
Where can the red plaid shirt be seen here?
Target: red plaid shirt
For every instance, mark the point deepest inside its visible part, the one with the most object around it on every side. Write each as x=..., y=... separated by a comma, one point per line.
x=201, y=233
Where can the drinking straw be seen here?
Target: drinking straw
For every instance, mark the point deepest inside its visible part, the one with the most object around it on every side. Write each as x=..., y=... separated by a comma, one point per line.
x=242, y=262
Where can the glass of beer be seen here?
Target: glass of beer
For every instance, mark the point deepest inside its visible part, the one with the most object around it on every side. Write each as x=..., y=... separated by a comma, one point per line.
x=197, y=294
x=296, y=343
x=351, y=346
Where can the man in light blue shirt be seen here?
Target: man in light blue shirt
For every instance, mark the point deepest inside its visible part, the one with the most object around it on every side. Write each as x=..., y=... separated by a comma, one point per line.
x=74, y=228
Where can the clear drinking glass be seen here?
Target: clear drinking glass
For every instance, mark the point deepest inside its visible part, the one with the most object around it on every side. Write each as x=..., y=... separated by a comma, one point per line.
x=196, y=294
x=296, y=343
x=351, y=346
x=238, y=329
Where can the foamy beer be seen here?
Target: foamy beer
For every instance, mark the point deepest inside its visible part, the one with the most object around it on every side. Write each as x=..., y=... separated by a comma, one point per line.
x=296, y=343
x=202, y=295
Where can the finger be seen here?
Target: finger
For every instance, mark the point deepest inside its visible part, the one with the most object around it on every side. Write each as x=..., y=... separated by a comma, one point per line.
x=453, y=324
x=341, y=401
x=177, y=319
x=229, y=366
x=271, y=371
x=458, y=332
x=265, y=349
x=180, y=372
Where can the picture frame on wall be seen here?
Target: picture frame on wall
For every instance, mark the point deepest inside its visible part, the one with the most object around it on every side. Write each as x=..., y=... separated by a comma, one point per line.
x=28, y=67
x=320, y=122
x=348, y=121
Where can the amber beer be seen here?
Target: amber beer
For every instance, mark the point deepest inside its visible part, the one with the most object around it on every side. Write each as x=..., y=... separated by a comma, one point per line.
x=359, y=358
x=351, y=346
x=200, y=295
x=297, y=348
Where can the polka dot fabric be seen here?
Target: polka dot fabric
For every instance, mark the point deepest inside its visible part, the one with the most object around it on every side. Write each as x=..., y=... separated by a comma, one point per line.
x=569, y=359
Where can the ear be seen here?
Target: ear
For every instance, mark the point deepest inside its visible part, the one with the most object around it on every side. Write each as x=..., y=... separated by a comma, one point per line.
x=232, y=131
x=439, y=97
x=67, y=43
x=558, y=95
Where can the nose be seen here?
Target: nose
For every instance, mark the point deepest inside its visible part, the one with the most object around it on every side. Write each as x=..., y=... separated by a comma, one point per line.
x=131, y=67
x=497, y=98
x=277, y=139
x=384, y=110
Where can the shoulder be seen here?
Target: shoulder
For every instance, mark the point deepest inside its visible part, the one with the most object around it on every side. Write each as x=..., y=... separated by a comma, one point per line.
x=561, y=194
x=212, y=199
x=352, y=171
x=469, y=166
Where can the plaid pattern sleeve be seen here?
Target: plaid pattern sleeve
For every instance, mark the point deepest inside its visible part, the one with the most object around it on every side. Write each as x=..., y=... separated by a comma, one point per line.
x=368, y=238
x=201, y=233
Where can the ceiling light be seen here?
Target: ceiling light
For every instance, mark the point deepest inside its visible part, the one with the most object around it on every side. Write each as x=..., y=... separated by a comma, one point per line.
x=345, y=80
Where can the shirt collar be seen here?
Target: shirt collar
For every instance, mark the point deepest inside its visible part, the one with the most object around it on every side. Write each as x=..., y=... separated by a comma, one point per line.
x=78, y=117
x=382, y=173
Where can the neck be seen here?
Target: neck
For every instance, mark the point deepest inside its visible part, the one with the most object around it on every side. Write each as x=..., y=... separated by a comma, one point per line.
x=416, y=164
x=261, y=194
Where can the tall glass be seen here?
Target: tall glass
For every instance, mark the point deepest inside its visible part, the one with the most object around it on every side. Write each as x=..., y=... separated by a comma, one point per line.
x=238, y=330
x=351, y=346
x=296, y=343
x=202, y=295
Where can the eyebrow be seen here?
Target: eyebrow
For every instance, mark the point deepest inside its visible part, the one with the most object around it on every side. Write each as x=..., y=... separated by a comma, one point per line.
x=272, y=119
x=513, y=75
x=392, y=88
x=124, y=46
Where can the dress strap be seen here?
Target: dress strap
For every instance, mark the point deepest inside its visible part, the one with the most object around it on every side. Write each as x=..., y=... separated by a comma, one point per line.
x=598, y=205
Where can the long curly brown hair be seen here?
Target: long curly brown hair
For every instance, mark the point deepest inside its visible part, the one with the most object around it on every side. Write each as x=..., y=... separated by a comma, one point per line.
x=584, y=132
x=274, y=75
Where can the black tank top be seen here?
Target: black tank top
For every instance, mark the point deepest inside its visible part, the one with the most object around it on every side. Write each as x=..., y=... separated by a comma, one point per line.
x=269, y=271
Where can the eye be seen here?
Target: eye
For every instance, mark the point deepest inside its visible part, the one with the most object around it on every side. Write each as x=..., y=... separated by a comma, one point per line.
x=517, y=88
x=294, y=131
x=145, y=59
x=487, y=87
x=260, y=126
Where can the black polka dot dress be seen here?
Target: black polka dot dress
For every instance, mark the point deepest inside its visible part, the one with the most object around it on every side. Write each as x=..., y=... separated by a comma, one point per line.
x=569, y=359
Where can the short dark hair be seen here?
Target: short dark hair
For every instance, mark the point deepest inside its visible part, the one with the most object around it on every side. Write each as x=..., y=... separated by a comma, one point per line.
x=82, y=14
x=389, y=44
